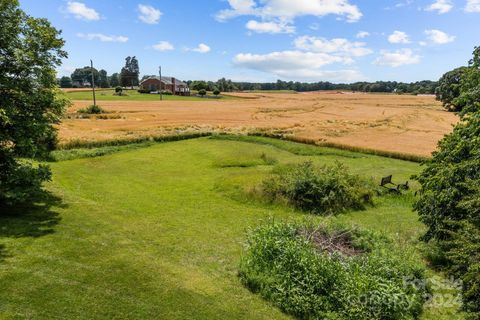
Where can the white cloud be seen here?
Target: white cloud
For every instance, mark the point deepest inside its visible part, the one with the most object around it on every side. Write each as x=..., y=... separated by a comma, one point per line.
x=201, y=48
x=81, y=11
x=314, y=26
x=270, y=27
x=149, y=14
x=398, y=37
x=363, y=34
x=472, y=6
x=439, y=37
x=397, y=58
x=288, y=10
x=403, y=4
x=338, y=46
x=297, y=65
x=441, y=6
x=102, y=37
x=163, y=46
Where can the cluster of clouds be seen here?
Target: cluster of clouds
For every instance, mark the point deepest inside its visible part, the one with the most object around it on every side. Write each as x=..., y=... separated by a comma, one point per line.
x=163, y=46
x=307, y=59
x=278, y=16
x=445, y=6
x=309, y=55
x=146, y=14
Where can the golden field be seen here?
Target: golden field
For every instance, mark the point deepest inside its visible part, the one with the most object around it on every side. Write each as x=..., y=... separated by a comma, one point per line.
x=394, y=123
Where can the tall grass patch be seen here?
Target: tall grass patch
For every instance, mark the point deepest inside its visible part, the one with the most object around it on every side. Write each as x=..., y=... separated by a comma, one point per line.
x=332, y=272
x=321, y=190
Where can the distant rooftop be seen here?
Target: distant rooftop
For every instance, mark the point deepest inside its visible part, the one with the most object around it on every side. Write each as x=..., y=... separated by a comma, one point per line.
x=167, y=81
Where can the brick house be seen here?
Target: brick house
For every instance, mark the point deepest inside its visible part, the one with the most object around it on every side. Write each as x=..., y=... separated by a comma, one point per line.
x=171, y=84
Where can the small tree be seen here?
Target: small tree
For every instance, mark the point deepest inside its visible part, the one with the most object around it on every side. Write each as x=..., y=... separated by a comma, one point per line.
x=114, y=80
x=66, y=82
x=216, y=92
x=199, y=85
x=202, y=92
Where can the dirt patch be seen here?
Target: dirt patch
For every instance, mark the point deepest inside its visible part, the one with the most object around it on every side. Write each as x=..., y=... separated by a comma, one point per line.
x=331, y=242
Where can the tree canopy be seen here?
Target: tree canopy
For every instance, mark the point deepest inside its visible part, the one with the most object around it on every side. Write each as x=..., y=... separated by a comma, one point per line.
x=29, y=105
x=449, y=199
x=130, y=72
x=459, y=89
x=83, y=76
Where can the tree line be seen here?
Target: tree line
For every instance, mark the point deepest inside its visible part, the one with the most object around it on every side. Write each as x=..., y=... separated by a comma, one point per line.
x=130, y=74
x=82, y=77
x=224, y=85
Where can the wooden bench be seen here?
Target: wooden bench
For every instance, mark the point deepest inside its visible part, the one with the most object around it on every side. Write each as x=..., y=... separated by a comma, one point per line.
x=387, y=183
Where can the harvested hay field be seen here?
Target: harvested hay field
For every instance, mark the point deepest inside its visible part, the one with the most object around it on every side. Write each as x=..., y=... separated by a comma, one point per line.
x=403, y=124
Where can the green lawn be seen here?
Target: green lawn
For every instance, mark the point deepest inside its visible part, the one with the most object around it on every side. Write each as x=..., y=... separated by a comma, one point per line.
x=133, y=95
x=156, y=232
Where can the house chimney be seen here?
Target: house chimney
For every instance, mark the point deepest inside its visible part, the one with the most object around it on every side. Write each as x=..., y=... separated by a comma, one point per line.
x=174, y=86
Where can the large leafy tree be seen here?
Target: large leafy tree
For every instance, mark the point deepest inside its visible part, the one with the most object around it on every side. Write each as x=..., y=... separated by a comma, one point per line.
x=459, y=89
x=114, y=80
x=449, y=199
x=448, y=88
x=82, y=76
x=66, y=82
x=130, y=73
x=30, y=49
x=103, y=79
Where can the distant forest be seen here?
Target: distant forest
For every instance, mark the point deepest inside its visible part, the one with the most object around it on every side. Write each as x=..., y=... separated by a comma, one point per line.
x=420, y=87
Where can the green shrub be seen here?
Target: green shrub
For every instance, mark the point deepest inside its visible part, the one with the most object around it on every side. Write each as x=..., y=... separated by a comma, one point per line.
x=202, y=92
x=167, y=93
x=21, y=182
x=216, y=92
x=320, y=272
x=322, y=190
x=92, y=109
x=144, y=91
x=118, y=89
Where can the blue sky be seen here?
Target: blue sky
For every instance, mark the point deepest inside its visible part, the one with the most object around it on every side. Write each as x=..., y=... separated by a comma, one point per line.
x=266, y=40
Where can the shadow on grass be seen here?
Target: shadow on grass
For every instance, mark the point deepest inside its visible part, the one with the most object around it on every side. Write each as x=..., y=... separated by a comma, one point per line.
x=33, y=220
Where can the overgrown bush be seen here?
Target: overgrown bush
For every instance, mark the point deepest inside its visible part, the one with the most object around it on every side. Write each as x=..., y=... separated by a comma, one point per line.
x=118, y=89
x=92, y=109
x=167, y=93
x=320, y=190
x=320, y=272
x=144, y=91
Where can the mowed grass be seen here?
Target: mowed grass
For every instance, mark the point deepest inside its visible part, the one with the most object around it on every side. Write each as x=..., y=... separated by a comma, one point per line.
x=134, y=95
x=157, y=232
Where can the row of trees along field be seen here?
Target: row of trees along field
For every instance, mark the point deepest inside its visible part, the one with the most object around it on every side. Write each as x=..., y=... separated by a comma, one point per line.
x=420, y=87
x=129, y=77
x=82, y=77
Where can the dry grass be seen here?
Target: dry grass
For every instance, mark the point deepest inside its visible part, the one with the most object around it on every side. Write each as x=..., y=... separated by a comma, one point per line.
x=390, y=123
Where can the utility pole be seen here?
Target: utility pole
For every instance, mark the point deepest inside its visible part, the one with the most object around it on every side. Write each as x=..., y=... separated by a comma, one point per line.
x=160, y=71
x=93, y=84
